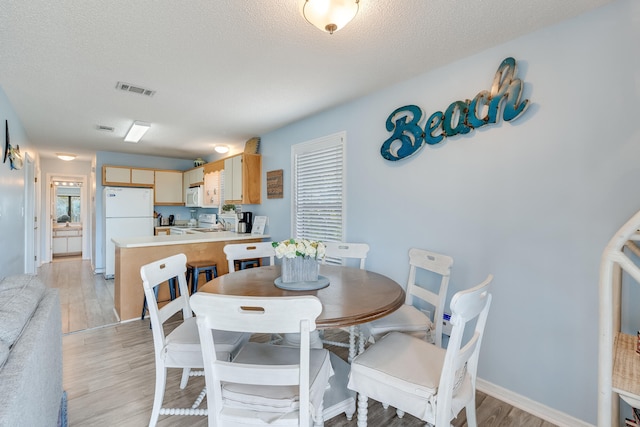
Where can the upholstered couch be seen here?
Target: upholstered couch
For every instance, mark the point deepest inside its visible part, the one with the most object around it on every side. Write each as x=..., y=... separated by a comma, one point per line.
x=30, y=354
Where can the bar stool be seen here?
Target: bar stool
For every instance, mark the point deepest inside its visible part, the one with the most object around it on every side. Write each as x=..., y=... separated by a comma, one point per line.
x=246, y=263
x=172, y=292
x=196, y=268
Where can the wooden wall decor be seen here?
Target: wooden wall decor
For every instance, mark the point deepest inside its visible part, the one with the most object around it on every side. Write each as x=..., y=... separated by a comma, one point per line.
x=274, y=184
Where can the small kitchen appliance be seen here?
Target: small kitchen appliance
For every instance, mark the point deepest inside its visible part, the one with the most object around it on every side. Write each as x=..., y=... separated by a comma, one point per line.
x=193, y=222
x=171, y=220
x=245, y=221
x=194, y=197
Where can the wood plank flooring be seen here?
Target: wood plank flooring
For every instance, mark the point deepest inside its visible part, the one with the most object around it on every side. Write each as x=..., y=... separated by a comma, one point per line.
x=86, y=299
x=109, y=371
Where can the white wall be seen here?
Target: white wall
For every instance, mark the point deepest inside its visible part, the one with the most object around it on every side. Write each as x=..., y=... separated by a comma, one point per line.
x=12, y=193
x=533, y=201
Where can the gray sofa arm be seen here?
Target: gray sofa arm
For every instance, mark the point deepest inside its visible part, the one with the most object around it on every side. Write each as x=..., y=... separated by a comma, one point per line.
x=31, y=379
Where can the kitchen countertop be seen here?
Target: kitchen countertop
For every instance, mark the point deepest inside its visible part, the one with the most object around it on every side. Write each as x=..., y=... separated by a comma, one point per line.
x=67, y=228
x=165, y=240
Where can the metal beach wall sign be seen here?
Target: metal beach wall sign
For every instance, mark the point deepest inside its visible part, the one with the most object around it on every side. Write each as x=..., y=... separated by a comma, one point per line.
x=461, y=117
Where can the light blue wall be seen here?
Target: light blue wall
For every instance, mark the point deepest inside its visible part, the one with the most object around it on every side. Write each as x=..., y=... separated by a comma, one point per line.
x=533, y=201
x=12, y=194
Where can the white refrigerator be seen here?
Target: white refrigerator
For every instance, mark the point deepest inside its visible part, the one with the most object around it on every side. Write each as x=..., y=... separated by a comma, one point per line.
x=128, y=212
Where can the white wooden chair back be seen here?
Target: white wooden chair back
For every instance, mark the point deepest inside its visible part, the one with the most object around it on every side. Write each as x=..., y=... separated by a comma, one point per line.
x=466, y=306
x=342, y=251
x=436, y=263
x=154, y=274
x=240, y=251
x=258, y=315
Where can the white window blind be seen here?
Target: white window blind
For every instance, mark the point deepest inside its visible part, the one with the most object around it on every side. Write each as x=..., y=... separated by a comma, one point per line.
x=319, y=188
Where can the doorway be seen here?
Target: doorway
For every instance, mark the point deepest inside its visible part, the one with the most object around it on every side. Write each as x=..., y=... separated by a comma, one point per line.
x=67, y=217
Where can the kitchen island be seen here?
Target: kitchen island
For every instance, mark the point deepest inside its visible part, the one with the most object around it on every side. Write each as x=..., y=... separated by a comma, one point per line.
x=134, y=252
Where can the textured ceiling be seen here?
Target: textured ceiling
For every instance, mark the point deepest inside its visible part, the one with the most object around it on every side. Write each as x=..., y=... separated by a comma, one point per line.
x=226, y=70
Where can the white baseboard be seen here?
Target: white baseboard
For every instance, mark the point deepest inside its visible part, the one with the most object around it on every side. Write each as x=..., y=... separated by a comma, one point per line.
x=534, y=408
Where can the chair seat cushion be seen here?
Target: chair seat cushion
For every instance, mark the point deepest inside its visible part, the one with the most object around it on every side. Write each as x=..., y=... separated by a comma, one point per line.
x=406, y=318
x=280, y=399
x=182, y=345
x=403, y=371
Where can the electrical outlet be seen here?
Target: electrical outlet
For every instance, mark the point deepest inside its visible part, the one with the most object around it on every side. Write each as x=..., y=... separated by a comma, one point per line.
x=446, y=324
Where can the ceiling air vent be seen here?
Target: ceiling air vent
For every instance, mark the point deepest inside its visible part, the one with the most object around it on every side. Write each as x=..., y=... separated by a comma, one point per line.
x=104, y=128
x=134, y=89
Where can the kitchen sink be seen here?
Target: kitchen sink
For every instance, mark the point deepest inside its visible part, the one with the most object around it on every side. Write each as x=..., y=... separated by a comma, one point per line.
x=206, y=230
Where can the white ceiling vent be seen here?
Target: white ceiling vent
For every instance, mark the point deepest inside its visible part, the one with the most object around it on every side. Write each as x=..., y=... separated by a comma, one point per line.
x=104, y=128
x=134, y=89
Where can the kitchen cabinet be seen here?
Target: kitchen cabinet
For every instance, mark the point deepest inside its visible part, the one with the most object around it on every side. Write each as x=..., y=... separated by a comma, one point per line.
x=619, y=364
x=67, y=240
x=124, y=176
x=243, y=179
x=193, y=177
x=213, y=184
x=168, y=188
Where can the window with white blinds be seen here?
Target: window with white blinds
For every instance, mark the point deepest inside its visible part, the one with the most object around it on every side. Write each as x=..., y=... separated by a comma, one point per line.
x=319, y=188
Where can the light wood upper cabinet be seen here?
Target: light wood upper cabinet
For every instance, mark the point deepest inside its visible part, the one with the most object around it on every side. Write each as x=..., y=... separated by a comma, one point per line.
x=168, y=188
x=193, y=177
x=124, y=176
x=243, y=179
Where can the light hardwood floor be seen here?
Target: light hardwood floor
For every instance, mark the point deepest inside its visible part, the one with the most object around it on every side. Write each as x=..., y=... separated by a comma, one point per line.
x=86, y=299
x=109, y=372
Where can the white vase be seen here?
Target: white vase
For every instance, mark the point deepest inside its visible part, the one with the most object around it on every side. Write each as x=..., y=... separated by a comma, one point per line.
x=299, y=269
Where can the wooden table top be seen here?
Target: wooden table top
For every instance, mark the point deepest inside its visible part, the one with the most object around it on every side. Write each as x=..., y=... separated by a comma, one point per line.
x=353, y=296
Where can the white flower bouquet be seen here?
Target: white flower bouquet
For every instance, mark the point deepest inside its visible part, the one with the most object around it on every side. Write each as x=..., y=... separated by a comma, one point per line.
x=299, y=259
x=292, y=248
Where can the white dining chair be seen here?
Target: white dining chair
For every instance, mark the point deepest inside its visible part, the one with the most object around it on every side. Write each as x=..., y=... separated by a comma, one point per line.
x=243, y=252
x=247, y=254
x=409, y=318
x=420, y=378
x=341, y=253
x=265, y=384
x=180, y=348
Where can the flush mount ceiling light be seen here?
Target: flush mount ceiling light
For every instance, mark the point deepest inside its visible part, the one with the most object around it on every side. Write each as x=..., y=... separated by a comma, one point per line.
x=66, y=156
x=329, y=15
x=137, y=131
x=221, y=149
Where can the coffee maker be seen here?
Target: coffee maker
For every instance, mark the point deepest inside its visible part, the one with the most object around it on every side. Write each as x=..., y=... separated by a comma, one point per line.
x=245, y=222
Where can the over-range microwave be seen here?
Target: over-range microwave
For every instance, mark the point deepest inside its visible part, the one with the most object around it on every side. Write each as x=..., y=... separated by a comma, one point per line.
x=194, y=197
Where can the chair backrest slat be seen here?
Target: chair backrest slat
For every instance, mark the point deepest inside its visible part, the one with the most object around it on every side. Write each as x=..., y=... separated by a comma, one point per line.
x=438, y=264
x=240, y=251
x=345, y=251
